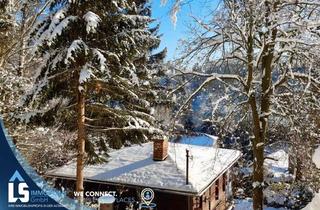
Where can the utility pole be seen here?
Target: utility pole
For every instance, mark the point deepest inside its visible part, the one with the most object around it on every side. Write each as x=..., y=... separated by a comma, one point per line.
x=187, y=167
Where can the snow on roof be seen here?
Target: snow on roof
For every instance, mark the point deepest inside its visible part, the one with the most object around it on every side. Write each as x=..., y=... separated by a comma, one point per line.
x=135, y=166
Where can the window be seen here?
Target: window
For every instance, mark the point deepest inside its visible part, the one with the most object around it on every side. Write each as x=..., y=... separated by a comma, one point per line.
x=217, y=190
x=198, y=202
x=224, y=183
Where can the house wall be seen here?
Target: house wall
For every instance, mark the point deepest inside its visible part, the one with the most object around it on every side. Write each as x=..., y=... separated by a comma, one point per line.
x=214, y=198
x=163, y=200
x=169, y=201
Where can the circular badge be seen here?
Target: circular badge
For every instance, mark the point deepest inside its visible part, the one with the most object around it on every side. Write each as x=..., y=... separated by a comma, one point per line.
x=147, y=195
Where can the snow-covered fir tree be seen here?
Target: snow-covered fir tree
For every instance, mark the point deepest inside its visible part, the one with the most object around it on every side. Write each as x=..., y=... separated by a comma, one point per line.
x=94, y=77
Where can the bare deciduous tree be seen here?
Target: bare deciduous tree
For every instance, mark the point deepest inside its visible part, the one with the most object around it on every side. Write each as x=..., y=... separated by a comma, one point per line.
x=274, y=45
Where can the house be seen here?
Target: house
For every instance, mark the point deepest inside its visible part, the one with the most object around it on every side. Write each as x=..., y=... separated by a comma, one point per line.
x=182, y=176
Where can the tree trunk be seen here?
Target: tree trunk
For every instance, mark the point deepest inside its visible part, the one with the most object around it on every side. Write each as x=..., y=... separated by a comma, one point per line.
x=21, y=57
x=260, y=118
x=258, y=178
x=81, y=144
x=258, y=155
x=299, y=172
x=260, y=129
x=22, y=41
x=257, y=141
x=1, y=62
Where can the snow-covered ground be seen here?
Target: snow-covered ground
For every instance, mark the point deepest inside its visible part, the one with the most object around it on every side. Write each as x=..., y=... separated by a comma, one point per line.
x=277, y=171
x=315, y=203
x=316, y=157
x=246, y=204
x=278, y=166
x=279, y=178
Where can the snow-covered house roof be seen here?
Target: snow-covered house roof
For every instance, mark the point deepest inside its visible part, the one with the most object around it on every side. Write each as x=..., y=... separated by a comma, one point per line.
x=134, y=166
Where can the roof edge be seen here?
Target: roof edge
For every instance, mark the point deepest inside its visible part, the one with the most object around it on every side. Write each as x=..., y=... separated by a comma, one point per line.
x=179, y=192
x=222, y=172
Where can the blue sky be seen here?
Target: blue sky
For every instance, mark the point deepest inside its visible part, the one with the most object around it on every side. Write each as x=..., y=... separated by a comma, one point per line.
x=171, y=34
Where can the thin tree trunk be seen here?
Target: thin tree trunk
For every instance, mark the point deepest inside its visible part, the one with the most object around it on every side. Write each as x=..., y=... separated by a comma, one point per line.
x=81, y=144
x=1, y=62
x=21, y=58
x=22, y=41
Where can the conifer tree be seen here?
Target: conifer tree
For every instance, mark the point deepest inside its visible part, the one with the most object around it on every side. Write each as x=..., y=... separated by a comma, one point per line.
x=94, y=77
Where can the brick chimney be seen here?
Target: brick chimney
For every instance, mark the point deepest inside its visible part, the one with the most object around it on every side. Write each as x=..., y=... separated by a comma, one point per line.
x=160, y=148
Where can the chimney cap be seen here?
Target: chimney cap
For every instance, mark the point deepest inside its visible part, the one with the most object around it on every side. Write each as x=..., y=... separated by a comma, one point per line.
x=159, y=137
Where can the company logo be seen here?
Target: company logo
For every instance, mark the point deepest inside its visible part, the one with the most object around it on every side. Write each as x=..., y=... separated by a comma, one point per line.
x=147, y=195
x=23, y=189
